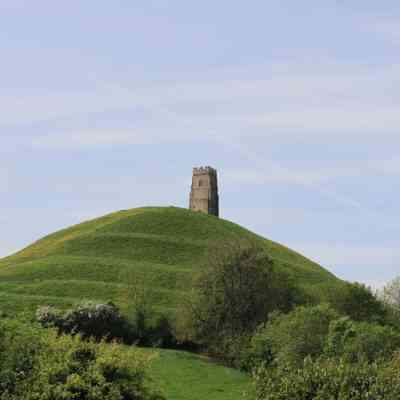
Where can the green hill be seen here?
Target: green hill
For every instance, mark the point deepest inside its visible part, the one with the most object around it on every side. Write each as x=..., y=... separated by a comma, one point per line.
x=162, y=247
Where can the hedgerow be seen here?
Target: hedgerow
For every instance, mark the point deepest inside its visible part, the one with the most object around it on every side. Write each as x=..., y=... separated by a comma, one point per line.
x=38, y=364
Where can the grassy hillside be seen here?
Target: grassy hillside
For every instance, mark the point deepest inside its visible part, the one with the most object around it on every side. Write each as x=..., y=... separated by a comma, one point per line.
x=161, y=247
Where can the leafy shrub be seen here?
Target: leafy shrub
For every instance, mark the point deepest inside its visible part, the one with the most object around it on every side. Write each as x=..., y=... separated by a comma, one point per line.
x=161, y=334
x=94, y=371
x=20, y=346
x=236, y=291
x=104, y=321
x=49, y=316
x=95, y=320
x=331, y=379
x=361, y=341
x=234, y=351
x=89, y=319
x=140, y=323
x=40, y=364
x=287, y=339
x=152, y=330
x=359, y=303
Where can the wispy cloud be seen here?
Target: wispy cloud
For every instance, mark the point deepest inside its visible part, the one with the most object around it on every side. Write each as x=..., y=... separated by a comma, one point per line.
x=390, y=166
x=91, y=138
x=302, y=176
x=4, y=180
x=339, y=121
x=350, y=101
x=387, y=28
x=288, y=176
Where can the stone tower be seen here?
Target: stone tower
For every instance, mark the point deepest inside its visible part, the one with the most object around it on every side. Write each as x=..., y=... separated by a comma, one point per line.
x=204, y=193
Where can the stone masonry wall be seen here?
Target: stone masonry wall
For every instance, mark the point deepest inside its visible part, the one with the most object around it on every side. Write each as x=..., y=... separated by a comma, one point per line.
x=204, y=194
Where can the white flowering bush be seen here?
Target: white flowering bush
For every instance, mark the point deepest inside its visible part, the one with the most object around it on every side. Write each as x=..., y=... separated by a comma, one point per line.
x=89, y=319
x=48, y=316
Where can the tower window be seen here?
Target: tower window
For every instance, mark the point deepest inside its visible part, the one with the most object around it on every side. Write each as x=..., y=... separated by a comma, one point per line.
x=201, y=183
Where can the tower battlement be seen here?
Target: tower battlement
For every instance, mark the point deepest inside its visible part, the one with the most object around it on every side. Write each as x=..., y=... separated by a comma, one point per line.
x=204, y=192
x=204, y=170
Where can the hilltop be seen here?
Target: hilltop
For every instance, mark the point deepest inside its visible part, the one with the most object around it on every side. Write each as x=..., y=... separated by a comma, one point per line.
x=162, y=247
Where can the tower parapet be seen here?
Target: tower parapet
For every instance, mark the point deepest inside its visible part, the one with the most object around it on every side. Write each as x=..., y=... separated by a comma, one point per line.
x=204, y=170
x=204, y=193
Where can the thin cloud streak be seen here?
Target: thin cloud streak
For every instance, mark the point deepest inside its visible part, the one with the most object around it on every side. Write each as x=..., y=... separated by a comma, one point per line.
x=386, y=28
x=4, y=181
x=250, y=176
x=327, y=121
x=356, y=101
x=91, y=138
x=264, y=166
x=334, y=195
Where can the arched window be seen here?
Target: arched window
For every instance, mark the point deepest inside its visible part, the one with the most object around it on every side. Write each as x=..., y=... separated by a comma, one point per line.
x=201, y=182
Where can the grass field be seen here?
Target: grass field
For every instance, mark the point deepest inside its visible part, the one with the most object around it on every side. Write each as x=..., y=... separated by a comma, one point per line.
x=186, y=376
x=161, y=247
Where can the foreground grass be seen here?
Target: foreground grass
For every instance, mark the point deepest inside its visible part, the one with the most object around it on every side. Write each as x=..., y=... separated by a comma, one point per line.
x=186, y=376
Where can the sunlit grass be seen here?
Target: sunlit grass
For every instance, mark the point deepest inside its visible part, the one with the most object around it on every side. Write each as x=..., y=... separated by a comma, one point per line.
x=162, y=248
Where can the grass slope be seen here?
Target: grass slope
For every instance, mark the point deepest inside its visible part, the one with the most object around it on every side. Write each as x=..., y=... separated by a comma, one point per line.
x=162, y=247
x=186, y=376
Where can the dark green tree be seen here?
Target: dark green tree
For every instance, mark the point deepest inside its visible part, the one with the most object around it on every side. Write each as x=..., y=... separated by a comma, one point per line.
x=359, y=303
x=234, y=293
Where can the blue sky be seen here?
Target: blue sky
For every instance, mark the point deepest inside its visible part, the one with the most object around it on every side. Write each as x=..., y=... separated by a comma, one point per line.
x=108, y=105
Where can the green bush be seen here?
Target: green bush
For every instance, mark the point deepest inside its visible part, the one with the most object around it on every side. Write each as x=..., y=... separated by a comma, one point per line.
x=161, y=334
x=233, y=294
x=287, y=339
x=359, y=303
x=49, y=316
x=105, y=322
x=20, y=346
x=37, y=364
x=356, y=341
x=332, y=379
x=90, y=320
